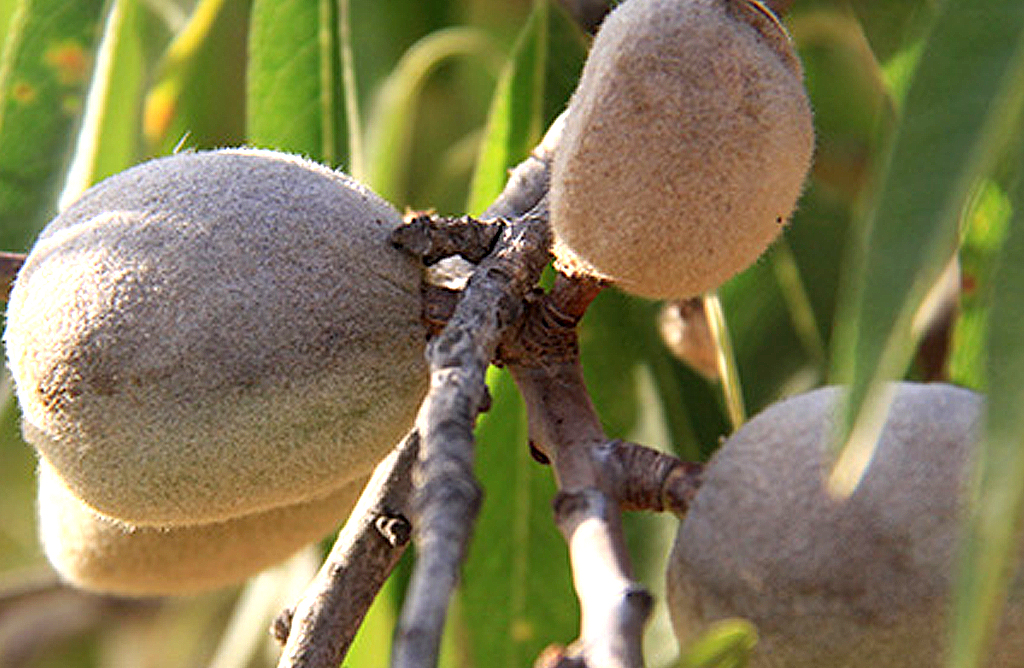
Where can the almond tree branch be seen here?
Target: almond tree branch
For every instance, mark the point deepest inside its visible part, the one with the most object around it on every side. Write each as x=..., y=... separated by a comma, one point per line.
x=564, y=425
x=597, y=478
x=447, y=494
x=318, y=631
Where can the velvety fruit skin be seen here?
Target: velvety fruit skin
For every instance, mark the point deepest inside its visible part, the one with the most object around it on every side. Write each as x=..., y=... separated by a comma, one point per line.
x=211, y=335
x=685, y=148
x=860, y=582
x=99, y=553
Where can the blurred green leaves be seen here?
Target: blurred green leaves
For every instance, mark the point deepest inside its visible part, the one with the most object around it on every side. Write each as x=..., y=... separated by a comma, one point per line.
x=532, y=91
x=960, y=109
x=964, y=106
x=47, y=61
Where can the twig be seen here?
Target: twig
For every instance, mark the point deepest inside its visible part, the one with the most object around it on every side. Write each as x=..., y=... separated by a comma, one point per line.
x=10, y=263
x=327, y=618
x=448, y=496
x=565, y=426
x=321, y=627
x=642, y=478
x=597, y=478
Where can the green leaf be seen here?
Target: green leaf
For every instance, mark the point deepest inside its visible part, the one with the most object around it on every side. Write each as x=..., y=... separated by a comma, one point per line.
x=890, y=26
x=391, y=133
x=726, y=644
x=44, y=71
x=958, y=111
x=996, y=506
x=198, y=100
x=7, y=9
x=294, y=79
x=108, y=141
x=533, y=90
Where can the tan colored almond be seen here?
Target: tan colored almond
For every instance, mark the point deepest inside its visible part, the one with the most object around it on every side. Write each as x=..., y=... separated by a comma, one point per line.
x=685, y=148
x=212, y=335
x=100, y=553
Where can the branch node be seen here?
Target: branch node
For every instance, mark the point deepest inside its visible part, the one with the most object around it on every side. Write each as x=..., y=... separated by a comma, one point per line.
x=395, y=529
x=640, y=601
x=558, y=656
x=282, y=626
x=591, y=501
x=538, y=454
x=433, y=238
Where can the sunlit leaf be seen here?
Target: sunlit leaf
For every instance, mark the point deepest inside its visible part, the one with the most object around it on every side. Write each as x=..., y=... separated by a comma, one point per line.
x=294, y=79
x=987, y=221
x=726, y=644
x=108, y=140
x=198, y=99
x=959, y=109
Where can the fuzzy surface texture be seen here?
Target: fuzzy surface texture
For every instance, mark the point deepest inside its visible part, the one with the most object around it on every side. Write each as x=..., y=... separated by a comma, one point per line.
x=856, y=582
x=212, y=335
x=99, y=553
x=685, y=148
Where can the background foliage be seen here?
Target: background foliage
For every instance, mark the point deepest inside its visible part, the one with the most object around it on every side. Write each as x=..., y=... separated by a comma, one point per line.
x=918, y=110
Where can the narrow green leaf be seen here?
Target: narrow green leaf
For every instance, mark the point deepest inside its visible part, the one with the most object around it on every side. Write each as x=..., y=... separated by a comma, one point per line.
x=890, y=26
x=991, y=539
x=294, y=79
x=726, y=644
x=198, y=100
x=391, y=133
x=532, y=91
x=514, y=123
x=350, y=90
x=108, y=140
x=7, y=9
x=958, y=110
x=44, y=72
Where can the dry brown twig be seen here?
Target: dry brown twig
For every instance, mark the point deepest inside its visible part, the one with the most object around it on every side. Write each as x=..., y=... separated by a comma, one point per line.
x=320, y=628
x=597, y=477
